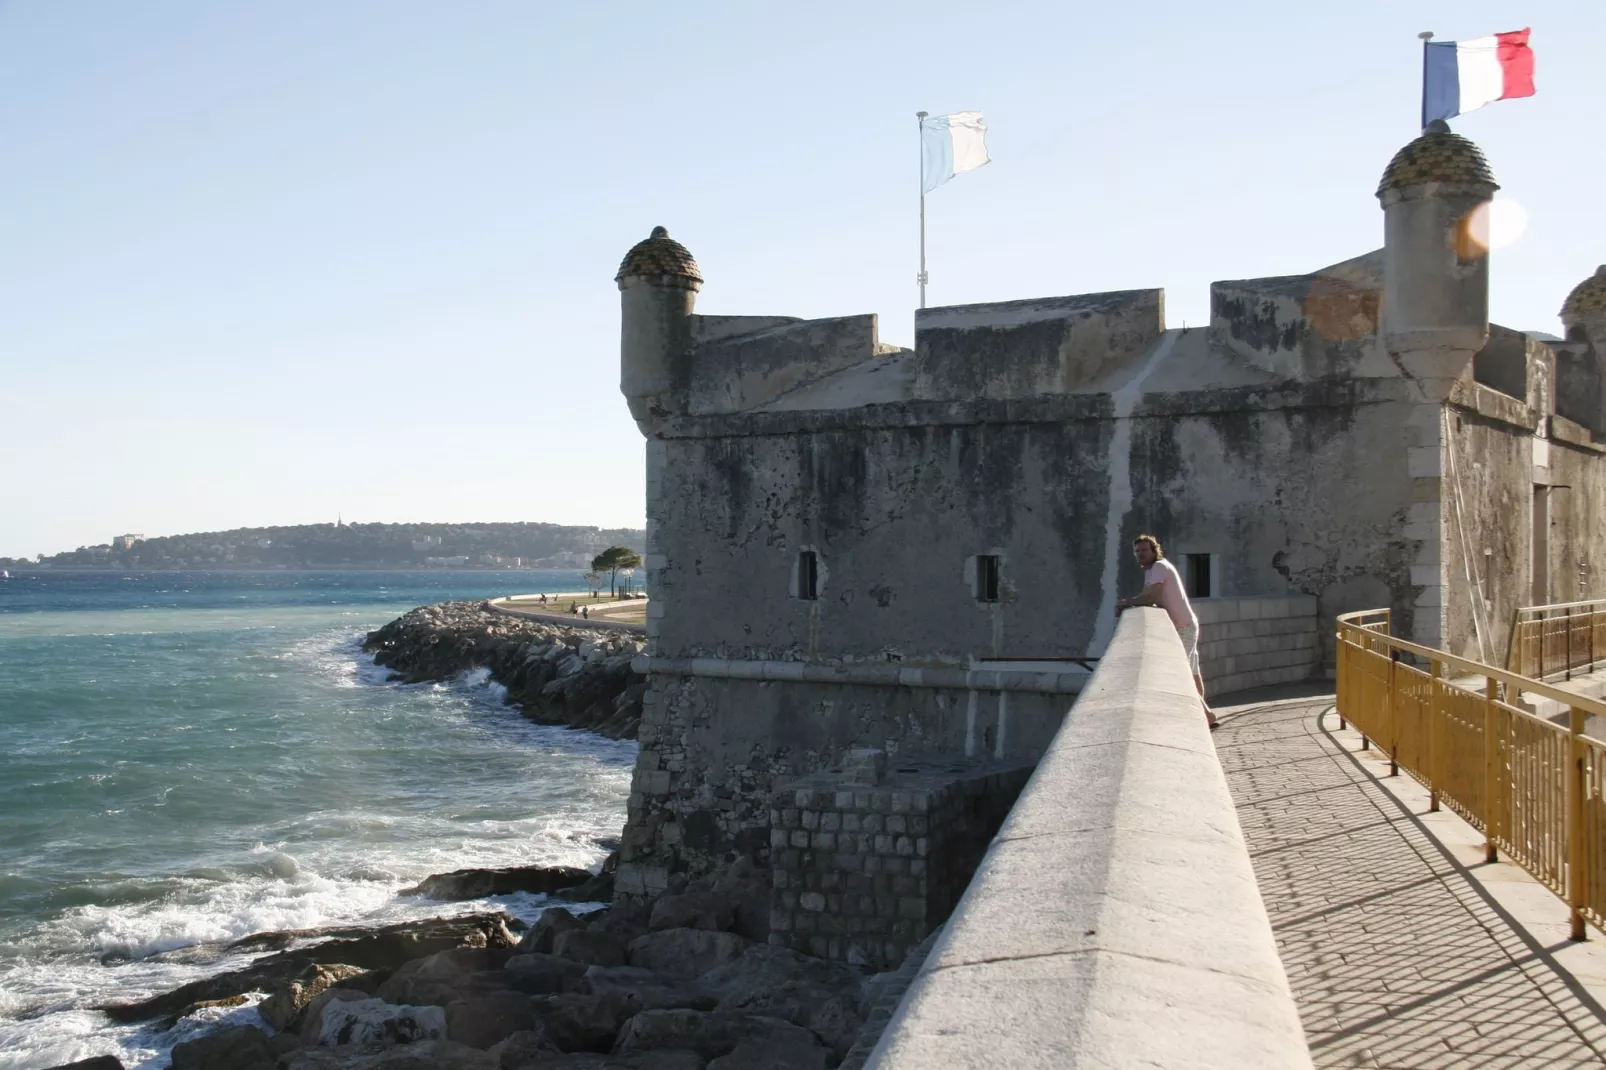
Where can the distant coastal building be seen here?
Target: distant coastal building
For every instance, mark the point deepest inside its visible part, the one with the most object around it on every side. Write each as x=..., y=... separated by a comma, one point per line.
x=126, y=542
x=842, y=532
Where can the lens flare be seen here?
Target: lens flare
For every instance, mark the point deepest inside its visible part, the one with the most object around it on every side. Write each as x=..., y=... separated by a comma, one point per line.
x=1497, y=223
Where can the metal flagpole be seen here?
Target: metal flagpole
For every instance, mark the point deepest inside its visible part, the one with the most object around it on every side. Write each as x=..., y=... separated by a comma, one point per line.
x=1426, y=36
x=920, y=118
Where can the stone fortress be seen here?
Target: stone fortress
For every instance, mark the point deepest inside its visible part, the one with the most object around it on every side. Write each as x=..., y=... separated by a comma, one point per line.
x=878, y=573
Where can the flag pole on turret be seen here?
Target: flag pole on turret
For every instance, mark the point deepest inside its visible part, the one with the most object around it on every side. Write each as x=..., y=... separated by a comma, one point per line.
x=949, y=145
x=1426, y=36
x=920, y=119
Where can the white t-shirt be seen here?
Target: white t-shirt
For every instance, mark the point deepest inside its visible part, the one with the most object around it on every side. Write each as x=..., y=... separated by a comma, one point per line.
x=1173, y=599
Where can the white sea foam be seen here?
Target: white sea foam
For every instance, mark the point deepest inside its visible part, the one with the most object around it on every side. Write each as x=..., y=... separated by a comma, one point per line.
x=335, y=866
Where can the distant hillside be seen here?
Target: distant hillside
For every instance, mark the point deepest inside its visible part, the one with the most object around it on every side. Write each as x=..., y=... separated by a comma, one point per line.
x=389, y=546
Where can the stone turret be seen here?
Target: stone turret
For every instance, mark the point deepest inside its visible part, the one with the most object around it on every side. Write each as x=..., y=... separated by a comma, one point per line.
x=658, y=283
x=1435, y=267
x=1584, y=312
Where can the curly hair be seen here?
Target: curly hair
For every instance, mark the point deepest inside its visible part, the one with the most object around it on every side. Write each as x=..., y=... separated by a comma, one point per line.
x=1159, y=554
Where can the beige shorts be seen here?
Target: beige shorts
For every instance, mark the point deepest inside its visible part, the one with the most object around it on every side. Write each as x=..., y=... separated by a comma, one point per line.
x=1190, y=643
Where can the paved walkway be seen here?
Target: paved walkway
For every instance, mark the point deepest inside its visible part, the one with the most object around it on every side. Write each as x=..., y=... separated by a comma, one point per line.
x=1398, y=954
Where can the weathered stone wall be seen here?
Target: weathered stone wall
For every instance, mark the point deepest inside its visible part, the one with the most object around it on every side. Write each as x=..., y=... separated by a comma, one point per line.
x=1262, y=477
x=735, y=373
x=1577, y=514
x=1022, y=349
x=862, y=874
x=1257, y=642
x=1305, y=327
x=1508, y=460
x=714, y=751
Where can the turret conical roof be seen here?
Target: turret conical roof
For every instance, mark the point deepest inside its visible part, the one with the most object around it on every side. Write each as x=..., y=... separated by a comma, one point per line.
x=1437, y=156
x=659, y=255
x=1586, y=298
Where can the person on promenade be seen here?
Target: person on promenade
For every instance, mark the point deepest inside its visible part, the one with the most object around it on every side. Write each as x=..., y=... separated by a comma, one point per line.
x=1162, y=587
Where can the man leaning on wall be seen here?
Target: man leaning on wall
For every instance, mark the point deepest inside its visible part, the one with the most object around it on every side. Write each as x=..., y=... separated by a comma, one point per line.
x=1162, y=587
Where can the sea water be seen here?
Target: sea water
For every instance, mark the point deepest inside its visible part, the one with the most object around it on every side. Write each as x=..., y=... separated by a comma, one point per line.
x=188, y=758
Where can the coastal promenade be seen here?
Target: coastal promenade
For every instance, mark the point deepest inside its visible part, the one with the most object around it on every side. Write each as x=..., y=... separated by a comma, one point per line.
x=627, y=615
x=1403, y=947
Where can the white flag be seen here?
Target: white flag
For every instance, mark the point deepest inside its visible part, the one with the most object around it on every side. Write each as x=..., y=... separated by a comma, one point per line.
x=951, y=145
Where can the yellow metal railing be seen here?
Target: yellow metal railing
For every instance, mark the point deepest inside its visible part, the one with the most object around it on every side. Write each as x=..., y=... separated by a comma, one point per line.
x=1547, y=640
x=1532, y=786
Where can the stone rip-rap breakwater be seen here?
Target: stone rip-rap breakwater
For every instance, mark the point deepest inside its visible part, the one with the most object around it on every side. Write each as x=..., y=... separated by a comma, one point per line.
x=557, y=674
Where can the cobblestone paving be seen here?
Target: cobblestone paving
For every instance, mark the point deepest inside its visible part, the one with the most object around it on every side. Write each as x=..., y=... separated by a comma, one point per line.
x=1396, y=956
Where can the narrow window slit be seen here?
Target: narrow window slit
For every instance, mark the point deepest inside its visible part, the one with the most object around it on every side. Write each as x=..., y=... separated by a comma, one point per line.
x=808, y=576
x=987, y=578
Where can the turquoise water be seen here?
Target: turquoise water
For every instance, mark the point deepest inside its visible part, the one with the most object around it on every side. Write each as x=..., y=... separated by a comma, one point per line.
x=186, y=758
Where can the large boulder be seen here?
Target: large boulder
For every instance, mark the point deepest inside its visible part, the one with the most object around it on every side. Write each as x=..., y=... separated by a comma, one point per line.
x=539, y=937
x=480, y=883
x=624, y=920
x=419, y=1055
x=598, y=889
x=836, y=1022
x=489, y=1018
x=542, y=974
x=746, y=886
x=447, y=975
x=238, y=1047
x=685, y=952
x=821, y=996
x=286, y=1006
x=693, y=910
x=312, y=1017
x=373, y=1021
x=629, y=1060
x=591, y=948
x=108, y=1062
x=715, y=1033
x=644, y=990
x=767, y=1055
x=765, y=968
x=525, y=1048
x=371, y=949
x=578, y=1021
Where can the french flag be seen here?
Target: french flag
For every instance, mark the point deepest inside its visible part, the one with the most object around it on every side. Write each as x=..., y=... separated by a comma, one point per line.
x=1461, y=76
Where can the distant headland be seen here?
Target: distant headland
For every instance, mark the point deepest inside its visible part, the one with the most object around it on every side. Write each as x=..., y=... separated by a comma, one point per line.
x=351, y=546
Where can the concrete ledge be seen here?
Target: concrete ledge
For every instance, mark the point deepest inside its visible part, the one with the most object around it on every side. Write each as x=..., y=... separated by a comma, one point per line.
x=1115, y=920
x=1068, y=682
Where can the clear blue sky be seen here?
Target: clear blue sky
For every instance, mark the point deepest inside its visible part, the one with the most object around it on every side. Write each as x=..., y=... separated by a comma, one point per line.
x=263, y=262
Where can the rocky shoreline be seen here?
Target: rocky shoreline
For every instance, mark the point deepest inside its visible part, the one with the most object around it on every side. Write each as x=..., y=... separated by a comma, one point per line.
x=686, y=981
x=560, y=674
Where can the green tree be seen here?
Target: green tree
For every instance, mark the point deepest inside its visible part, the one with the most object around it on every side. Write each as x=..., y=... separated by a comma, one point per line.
x=612, y=560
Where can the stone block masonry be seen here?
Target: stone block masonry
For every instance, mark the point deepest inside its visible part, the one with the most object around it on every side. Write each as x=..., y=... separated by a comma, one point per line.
x=862, y=874
x=1257, y=642
x=714, y=750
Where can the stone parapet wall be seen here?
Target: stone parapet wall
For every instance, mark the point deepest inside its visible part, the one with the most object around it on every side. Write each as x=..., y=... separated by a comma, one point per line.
x=863, y=874
x=1115, y=920
x=1257, y=642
